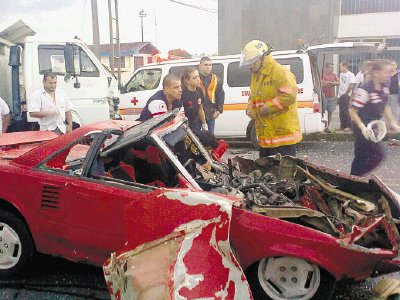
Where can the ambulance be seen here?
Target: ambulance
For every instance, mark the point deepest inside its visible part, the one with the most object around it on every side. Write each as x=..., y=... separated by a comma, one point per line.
x=233, y=122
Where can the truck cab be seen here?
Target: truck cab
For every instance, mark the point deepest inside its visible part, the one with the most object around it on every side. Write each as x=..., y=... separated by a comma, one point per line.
x=91, y=88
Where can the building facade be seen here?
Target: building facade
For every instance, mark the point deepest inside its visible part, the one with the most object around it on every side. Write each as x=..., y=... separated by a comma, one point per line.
x=280, y=22
x=370, y=21
x=283, y=22
x=133, y=56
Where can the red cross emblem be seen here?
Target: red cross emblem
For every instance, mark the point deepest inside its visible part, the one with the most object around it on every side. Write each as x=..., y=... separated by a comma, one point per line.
x=134, y=101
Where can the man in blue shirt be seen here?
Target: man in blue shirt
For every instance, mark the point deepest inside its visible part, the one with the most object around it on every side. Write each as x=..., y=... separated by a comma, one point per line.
x=164, y=100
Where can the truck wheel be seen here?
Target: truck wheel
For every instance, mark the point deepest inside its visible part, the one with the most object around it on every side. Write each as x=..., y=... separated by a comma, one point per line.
x=16, y=245
x=281, y=278
x=253, y=136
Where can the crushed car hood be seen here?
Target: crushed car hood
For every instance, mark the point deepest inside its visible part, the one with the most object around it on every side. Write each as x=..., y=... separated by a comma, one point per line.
x=361, y=213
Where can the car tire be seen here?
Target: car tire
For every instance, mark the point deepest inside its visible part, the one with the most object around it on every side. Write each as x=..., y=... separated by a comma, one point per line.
x=16, y=245
x=253, y=136
x=281, y=278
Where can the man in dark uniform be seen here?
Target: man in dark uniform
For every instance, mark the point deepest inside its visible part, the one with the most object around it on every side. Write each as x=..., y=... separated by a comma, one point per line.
x=164, y=100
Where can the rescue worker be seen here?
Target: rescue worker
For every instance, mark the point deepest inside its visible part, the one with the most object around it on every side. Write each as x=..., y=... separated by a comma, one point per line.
x=214, y=95
x=167, y=99
x=272, y=103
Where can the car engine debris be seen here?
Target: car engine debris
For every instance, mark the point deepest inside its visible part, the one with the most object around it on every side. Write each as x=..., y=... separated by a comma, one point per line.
x=296, y=191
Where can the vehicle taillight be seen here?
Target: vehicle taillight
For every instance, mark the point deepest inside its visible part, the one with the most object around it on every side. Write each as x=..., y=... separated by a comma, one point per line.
x=315, y=103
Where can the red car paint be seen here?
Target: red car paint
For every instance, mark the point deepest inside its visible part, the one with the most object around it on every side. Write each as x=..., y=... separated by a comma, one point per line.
x=194, y=261
x=89, y=219
x=256, y=236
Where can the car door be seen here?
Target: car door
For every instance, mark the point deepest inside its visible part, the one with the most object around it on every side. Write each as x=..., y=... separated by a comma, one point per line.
x=335, y=49
x=82, y=217
x=314, y=72
x=96, y=216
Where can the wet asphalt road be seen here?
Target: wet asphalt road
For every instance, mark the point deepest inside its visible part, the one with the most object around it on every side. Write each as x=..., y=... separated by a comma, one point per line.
x=339, y=155
x=54, y=278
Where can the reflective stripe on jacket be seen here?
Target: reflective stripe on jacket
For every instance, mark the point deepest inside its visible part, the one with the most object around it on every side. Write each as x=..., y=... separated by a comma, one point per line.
x=211, y=88
x=275, y=87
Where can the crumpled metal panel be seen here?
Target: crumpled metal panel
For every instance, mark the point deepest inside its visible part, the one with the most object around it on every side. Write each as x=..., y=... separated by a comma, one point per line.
x=194, y=261
x=360, y=219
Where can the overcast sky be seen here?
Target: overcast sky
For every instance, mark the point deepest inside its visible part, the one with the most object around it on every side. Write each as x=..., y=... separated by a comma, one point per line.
x=167, y=25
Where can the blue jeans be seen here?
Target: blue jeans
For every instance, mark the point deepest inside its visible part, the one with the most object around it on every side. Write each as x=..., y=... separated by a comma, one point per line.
x=211, y=125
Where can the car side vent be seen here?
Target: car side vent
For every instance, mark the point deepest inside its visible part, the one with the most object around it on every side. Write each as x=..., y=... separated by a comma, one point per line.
x=50, y=197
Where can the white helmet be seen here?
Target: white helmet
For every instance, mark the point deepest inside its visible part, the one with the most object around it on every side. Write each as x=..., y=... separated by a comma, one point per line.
x=377, y=130
x=252, y=51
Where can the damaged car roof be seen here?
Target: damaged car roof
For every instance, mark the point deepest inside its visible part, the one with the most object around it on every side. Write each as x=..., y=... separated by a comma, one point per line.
x=140, y=131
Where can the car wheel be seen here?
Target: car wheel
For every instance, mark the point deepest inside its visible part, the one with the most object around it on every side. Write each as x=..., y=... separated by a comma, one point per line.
x=16, y=245
x=253, y=136
x=281, y=278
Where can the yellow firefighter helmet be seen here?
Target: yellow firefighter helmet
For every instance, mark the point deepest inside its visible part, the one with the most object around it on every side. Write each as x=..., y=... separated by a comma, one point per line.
x=252, y=51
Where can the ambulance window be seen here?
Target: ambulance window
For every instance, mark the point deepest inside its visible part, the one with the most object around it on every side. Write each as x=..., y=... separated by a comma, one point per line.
x=295, y=65
x=178, y=71
x=238, y=77
x=144, y=80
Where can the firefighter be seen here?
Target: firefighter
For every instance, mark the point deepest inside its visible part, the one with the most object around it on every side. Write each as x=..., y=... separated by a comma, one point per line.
x=272, y=103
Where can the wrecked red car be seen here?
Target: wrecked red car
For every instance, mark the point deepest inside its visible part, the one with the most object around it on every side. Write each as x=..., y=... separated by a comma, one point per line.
x=295, y=228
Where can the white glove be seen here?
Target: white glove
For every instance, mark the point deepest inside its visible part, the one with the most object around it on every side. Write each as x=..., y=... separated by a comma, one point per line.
x=204, y=126
x=366, y=132
x=395, y=127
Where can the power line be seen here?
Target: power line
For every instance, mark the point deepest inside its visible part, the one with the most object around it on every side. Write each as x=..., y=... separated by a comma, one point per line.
x=214, y=11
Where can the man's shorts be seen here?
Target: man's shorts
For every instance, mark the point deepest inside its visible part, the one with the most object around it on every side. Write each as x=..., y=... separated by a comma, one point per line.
x=330, y=104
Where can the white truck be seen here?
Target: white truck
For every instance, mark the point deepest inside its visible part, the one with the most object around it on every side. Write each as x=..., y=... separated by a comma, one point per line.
x=23, y=61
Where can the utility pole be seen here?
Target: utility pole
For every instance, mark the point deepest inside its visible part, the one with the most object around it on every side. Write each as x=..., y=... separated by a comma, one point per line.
x=96, y=34
x=110, y=22
x=118, y=42
x=142, y=15
x=113, y=19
